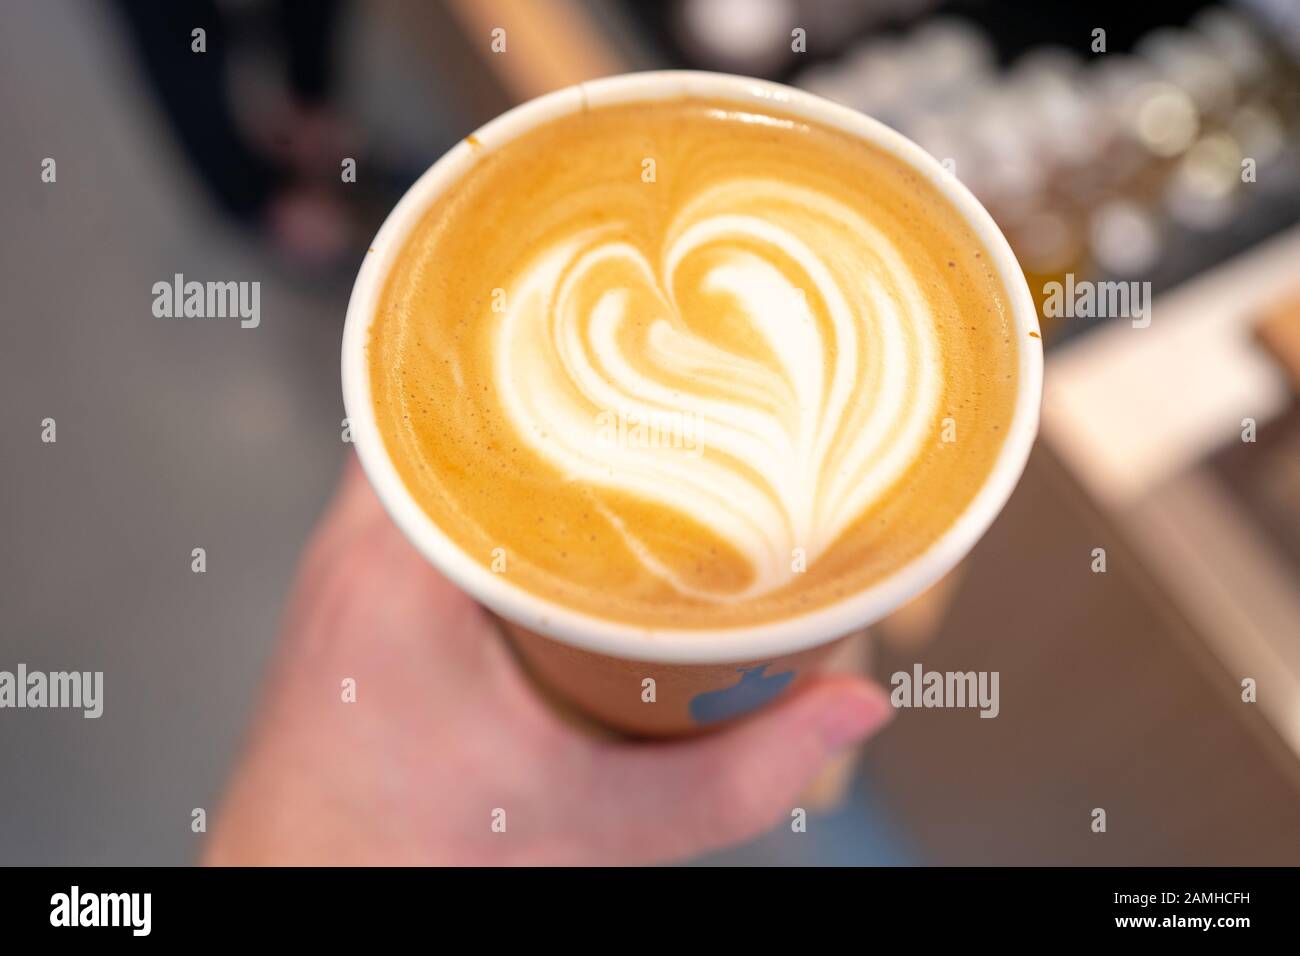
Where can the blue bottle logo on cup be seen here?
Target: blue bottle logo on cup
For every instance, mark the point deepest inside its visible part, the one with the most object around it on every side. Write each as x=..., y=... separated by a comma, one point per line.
x=754, y=689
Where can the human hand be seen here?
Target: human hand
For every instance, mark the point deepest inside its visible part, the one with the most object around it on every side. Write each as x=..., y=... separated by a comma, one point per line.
x=445, y=729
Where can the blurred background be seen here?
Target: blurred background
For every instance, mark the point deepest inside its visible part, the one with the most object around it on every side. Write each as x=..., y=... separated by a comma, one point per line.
x=1164, y=149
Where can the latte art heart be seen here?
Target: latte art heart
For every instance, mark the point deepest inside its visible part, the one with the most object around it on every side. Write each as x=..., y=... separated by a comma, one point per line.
x=796, y=444
x=764, y=379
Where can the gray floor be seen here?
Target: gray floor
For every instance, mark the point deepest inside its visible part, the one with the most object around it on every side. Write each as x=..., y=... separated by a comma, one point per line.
x=171, y=435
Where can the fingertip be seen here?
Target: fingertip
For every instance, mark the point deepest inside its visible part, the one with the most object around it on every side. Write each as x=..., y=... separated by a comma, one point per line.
x=853, y=710
x=720, y=788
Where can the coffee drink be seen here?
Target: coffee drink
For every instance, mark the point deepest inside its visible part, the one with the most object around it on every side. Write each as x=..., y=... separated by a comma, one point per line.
x=692, y=363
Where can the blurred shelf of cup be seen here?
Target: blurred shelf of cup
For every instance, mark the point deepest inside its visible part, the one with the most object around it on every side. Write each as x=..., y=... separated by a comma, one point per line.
x=1173, y=149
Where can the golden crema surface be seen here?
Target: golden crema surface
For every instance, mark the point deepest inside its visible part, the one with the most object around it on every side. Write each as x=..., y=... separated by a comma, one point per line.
x=689, y=364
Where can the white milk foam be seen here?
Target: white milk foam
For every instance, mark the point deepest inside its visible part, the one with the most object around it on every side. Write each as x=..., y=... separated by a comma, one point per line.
x=794, y=449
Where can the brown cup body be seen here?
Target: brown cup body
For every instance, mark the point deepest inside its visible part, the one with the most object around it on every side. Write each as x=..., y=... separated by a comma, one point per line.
x=686, y=698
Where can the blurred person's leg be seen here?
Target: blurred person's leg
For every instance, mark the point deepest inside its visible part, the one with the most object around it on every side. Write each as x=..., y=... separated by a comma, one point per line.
x=191, y=88
x=306, y=221
x=314, y=138
x=307, y=29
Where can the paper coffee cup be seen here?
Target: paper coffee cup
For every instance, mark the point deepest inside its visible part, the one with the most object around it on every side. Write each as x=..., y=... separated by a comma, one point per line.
x=660, y=681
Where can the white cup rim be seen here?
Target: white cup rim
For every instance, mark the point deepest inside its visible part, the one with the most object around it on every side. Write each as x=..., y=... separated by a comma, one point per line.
x=683, y=645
